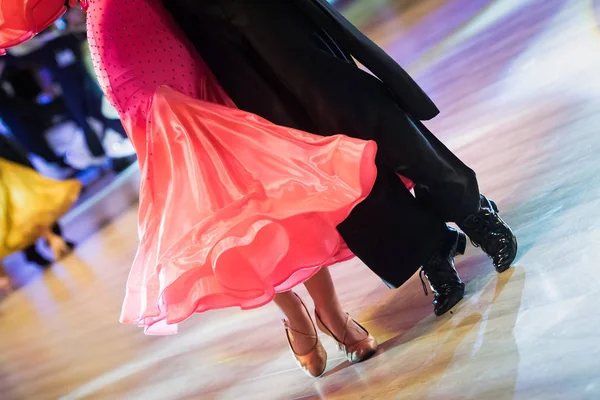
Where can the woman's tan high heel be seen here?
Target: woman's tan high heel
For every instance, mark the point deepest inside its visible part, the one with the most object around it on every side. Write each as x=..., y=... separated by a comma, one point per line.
x=356, y=352
x=315, y=361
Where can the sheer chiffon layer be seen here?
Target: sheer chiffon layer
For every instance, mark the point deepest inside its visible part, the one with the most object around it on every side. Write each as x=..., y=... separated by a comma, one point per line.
x=234, y=209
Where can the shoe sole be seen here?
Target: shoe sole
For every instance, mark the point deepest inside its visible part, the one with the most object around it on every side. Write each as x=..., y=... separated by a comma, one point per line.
x=439, y=314
x=461, y=247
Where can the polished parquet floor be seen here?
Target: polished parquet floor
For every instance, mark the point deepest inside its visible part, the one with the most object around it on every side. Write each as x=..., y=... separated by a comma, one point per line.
x=518, y=82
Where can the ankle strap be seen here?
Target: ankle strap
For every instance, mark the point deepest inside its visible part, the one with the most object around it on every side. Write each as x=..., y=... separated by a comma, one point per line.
x=307, y=335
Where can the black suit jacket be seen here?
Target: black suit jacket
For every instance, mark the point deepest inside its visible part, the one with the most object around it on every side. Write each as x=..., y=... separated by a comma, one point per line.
x=407, y=92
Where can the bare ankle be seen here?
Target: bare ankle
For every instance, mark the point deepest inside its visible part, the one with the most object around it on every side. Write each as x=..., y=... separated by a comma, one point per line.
x=295, y=312
x=332, y=315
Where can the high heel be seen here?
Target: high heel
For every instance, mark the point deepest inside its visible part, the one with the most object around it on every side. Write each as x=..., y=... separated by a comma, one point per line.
x=356, y=352
x=461, y=243
x=314, y=362
x=32, y=256
x=444, y=281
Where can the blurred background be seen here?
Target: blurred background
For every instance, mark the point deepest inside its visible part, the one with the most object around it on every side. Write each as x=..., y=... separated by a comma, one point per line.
x=55, y=119
x=518, y=84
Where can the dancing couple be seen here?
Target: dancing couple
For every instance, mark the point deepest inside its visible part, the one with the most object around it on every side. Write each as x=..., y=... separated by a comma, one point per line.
x=267, y=155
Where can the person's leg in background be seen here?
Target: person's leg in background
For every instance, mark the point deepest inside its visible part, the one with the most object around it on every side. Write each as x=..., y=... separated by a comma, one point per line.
x=58, y=245
x=64, y=68
x=20, y=99
x=57, y=230
x=93, y=99
x=74, y=98
x=32, y=255
x=11, y=151
x=29, y=133
x=116, y=144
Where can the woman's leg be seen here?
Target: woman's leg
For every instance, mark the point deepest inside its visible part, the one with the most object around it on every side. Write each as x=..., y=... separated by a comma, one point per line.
x=57, y=244
x=298, y=320
x=5, y=282
x=57, y=230
x=328, y=307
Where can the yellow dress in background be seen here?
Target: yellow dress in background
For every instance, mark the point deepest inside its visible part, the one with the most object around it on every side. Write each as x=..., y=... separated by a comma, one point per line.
x=29, y=205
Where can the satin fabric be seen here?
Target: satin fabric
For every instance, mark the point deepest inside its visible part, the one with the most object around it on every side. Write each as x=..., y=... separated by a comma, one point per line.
x=233, y=208
x=20, y=20
x=238, y=209
x=30, y=204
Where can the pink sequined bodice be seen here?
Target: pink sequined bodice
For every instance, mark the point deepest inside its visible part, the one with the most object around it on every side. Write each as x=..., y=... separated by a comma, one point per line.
x=136, y=48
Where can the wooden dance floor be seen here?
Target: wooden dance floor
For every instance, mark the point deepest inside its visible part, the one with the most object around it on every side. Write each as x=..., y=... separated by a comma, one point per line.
x=518, y=82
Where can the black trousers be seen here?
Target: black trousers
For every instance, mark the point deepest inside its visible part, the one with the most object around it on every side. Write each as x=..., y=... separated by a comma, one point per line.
x=273, y=61
x=83, y=98
x=80, y=93
x=29, y=131
x=11, y=151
